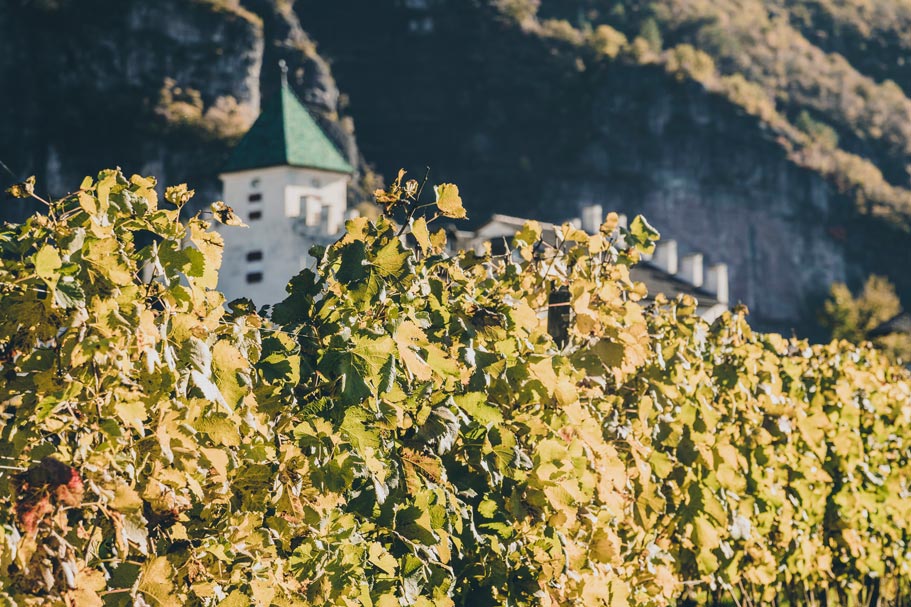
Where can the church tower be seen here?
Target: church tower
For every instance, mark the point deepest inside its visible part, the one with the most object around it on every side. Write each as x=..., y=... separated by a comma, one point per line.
x=289, y=183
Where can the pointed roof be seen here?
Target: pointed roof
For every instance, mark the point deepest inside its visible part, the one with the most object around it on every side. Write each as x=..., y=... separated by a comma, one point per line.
x=285, y=134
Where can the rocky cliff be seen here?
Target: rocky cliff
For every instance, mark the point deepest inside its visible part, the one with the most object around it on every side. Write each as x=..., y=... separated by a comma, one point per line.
x=161, y=88
x=530, y=115
x=528, y=125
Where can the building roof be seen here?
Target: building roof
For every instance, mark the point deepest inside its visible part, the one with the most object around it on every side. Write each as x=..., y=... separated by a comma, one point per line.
x=285, y=134
x=658, y=281
x=499, y=230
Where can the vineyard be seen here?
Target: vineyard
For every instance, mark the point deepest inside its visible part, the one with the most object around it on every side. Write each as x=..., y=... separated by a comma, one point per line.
x=417, y=428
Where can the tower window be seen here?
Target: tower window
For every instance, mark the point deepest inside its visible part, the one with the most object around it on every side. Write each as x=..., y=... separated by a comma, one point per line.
x=254, y=183
x=254, y=215
x=255, y=197
x=254, y=277
x=255, y=256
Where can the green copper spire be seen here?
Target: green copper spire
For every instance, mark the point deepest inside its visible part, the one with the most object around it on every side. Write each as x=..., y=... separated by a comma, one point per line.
x=285, y=134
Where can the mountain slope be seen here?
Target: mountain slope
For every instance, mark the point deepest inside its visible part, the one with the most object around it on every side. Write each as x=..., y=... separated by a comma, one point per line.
x=538, y=115
x=774, y=135
x=160, y=88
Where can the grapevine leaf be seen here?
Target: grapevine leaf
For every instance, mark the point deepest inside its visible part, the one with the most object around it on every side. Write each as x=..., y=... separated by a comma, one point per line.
x=449, y=202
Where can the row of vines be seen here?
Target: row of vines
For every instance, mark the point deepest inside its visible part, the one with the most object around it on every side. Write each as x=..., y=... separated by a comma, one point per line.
x=404, y=430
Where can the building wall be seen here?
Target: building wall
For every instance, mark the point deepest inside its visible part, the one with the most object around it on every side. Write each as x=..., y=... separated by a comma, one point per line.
x=278, y=237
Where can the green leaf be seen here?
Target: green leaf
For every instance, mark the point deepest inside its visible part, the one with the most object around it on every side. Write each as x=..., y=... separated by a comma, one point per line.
x=352, y=269
x=643, y=234
x=347, y=374
x=392, y=258
x=357, y=428
x=475, y=405
x=440, y=429
x=371, y=355
x=68, y=294
x=488, y=508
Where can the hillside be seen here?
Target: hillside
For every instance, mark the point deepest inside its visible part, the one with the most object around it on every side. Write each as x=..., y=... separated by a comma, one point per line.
x=164, y=87
x=774, y=135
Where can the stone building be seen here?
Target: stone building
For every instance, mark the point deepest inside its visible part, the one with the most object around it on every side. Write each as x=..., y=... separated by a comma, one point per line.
x=289, y=183
x=662, y=272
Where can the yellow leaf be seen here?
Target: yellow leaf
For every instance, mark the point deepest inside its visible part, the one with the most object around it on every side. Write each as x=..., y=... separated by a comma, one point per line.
x=449, y=202
x=409, y=337
x=23, y=189
x=178, y=195
x=87, y=202
x=565, y=393
x=226, y=215
x=218, y=459
x=146, y=189
x=263, y=592
x=438, y=239
x=227, y=363
x=382, y=559
x=125, y=499
x=106, y=256
x=211, y=246
x=543, y=371
x=529, y=234
x=156, y=582
x=132, y=414
x=706, y=534
x=235, y=599
x=47, y=262
x=605, y=545
x=421, y=234
x=89, y=582
x=387, y=600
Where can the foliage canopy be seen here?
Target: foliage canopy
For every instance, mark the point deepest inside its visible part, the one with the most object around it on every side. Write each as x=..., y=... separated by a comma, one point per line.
x=404, y=431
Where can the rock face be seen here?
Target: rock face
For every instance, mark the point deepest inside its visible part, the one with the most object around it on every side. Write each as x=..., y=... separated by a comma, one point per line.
x=159, y=88
x=717, y=186
x=525, y=128
x=523, y=125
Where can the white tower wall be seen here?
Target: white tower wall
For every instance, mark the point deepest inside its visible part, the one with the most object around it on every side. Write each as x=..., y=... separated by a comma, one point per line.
x=297, y=209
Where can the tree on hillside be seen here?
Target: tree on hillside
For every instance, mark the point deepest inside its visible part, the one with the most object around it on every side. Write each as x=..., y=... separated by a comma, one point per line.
x=853, y=318
x=651, y=33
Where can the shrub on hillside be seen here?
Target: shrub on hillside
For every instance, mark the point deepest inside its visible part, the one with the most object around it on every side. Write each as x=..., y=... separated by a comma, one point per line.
x=854, y=318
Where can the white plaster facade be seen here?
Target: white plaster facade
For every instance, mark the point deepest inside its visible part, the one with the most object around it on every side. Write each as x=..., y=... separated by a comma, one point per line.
x=288, y=210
